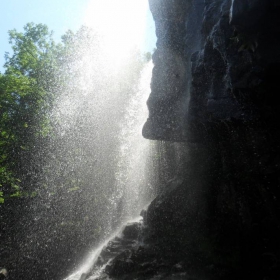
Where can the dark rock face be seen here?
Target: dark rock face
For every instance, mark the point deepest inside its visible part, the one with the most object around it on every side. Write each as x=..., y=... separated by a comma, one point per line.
x=125, y=257
x=167, y=102
x=115, y=259
x=213, y=59
x=215, y=84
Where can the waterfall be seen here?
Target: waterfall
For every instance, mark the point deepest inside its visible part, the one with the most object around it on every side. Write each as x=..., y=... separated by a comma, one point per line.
x=100, y=118
x=90, y=172
x=131, y=186
x=131, y=183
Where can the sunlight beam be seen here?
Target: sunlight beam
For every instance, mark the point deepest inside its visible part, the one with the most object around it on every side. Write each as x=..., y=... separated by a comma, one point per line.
x=120, y=24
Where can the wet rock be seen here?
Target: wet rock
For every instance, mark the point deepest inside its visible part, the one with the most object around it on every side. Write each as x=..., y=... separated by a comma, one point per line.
x=83, y=276
x=168, y=88
x=241, y=10
x=121, y=265
x=169, y=74
x=143, y=214
x=178, y=267
x=225, y=108
x=217, y=88
x=131, y=231
x=3, y=273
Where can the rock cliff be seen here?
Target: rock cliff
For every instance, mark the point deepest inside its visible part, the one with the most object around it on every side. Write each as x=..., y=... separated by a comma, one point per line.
x=214, y=86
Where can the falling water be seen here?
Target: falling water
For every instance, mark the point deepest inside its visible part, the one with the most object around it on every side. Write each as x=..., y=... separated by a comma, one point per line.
x=131, y=178
x=131, y=183
x=107, y=104
x=92, y=172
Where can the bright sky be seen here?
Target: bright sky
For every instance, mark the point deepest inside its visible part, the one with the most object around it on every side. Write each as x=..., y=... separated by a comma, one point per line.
x=61, y=15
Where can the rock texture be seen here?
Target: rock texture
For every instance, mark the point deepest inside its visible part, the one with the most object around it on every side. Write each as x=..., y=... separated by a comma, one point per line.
x=222, y=215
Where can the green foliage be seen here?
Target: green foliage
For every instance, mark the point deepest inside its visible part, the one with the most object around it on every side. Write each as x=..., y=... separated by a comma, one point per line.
x=26, y=97
x=36, y=73
x=73, y=189
x=1, y=197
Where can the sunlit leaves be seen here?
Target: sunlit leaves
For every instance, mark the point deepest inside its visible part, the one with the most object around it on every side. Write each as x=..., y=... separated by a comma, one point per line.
x=27, y=90
x=29, y=48
x=1, y=197
x=73, y=189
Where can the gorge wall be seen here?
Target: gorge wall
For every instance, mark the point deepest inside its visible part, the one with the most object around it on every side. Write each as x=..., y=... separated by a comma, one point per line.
x=214, y=87
x=214, y=99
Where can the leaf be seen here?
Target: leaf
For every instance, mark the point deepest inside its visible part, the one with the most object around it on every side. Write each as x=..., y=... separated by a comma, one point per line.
x=73, y=189
x=16, y=194
x=16, y=187
x=33, y=194
x=4, y=133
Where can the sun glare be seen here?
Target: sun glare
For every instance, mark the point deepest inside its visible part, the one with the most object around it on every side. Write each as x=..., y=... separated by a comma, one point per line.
x=120, y=23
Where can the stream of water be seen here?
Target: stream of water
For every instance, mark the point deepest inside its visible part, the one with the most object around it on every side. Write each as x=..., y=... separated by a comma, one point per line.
x=132, y=188
x=113, y=110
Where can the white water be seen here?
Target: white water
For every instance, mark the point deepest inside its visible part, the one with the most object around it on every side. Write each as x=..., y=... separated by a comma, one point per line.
x=93, y=256
x=91, y=260
x=116, y=98
x=131, y=183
